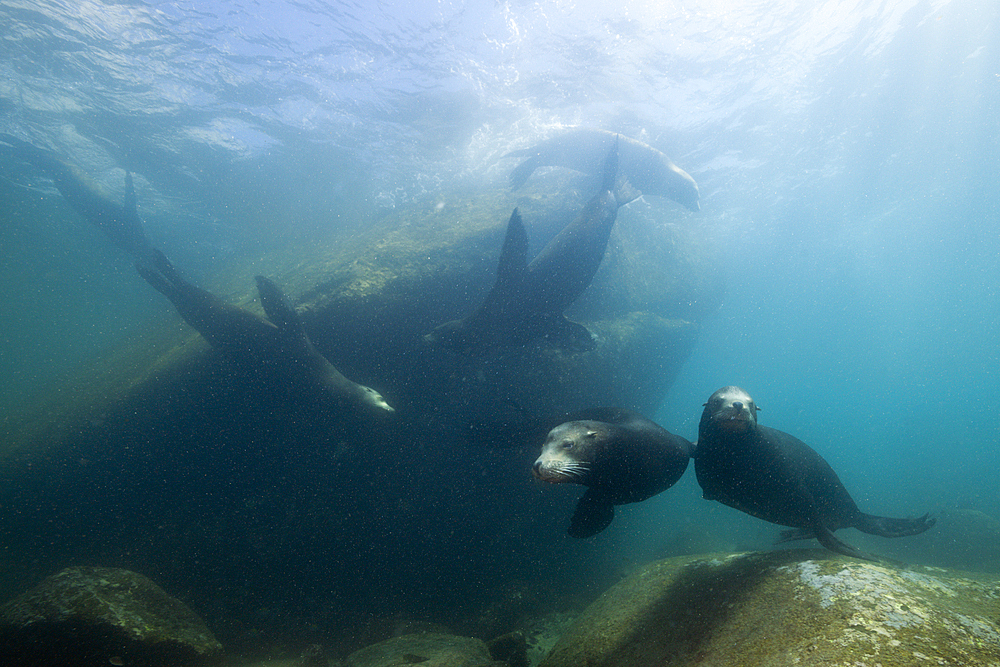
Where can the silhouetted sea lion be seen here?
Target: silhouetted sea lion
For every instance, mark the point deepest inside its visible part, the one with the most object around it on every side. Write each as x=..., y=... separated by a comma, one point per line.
x=619, y=455
x=527, y=301
x=281, y=344
x=776, y=477
x=120, y=222
x=647, y=169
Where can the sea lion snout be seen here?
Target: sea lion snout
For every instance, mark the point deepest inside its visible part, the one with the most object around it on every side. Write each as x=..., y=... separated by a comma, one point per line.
x=731, y=409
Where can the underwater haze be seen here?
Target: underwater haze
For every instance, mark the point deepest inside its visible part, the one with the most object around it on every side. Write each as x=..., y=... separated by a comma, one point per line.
x=846, y=152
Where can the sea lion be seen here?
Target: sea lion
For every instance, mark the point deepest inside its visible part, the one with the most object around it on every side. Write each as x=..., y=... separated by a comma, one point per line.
x=280, y=344
x=776, y=477
x=619, y=455
x=647, y=169
x=527, y=300
x=121, y=223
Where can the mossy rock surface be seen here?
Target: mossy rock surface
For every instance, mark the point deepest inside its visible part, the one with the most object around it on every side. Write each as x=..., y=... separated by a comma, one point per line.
x=101, y=616
x=428, y=649
x=786, y=608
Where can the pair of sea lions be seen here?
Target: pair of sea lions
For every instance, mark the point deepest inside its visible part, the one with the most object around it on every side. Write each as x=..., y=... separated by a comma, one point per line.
x=527, y=301
x=759, y=470
x=279, y=343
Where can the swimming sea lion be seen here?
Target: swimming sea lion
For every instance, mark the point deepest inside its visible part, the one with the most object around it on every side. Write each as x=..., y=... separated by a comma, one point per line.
x=120, y=222
x=527, y=301
x=619, y=455
x=281, y=343
x=647, y=169
x=776, y=477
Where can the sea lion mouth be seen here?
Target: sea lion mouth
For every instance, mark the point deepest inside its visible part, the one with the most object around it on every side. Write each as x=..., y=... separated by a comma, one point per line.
x=558, y=473
x=733, y=421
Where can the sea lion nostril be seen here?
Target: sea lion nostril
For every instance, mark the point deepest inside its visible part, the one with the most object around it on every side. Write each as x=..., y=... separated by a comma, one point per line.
x=738, y=405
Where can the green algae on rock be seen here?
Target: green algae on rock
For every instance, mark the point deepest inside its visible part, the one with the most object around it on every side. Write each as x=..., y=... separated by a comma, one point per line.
x=101, y=616
x=775, y=609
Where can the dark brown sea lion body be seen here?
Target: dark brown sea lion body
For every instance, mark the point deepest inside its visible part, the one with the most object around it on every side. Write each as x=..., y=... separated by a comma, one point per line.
x=280, y=344
x=619, y=455
x=774, y=476
x=582, y=149
x=527, y=300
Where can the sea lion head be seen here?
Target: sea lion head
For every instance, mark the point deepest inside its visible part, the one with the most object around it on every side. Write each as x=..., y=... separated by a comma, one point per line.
x=569, y=452
x=374, y=399
x=730, y=409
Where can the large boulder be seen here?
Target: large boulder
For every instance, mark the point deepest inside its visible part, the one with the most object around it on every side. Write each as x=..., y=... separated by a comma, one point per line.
x=430, y=649
x=103, y=616
x=786, y=608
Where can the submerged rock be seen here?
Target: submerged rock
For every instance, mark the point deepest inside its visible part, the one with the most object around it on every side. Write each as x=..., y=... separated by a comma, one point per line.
x=777, y=609
x=428, y=649
x=103, y=616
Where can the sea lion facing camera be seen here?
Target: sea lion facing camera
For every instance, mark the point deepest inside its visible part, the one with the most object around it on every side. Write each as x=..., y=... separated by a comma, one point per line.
x=583, y=149
x=774, y=476
x=619, y=455
x=280, y=344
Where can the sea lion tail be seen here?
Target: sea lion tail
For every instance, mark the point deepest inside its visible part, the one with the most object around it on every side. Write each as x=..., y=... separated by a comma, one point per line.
x=887, y=527
x=521, y=172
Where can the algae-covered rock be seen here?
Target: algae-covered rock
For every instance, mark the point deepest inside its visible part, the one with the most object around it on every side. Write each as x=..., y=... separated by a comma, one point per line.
x=101, y=616
x=777, y=609
x=428, y=649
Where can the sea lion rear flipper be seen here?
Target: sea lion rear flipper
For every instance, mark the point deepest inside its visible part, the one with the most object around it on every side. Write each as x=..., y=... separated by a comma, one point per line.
x=156, y=269
x=887, y=527
x=796, y=534
x=277, y=306
x=830, y=541
x=521, y=172
x=593, y=514
x=156, y=279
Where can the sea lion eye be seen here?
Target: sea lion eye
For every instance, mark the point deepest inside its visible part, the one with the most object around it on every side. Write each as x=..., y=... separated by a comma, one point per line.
x=567, y=444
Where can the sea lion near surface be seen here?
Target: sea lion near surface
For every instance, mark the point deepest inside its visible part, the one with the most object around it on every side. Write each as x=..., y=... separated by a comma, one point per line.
x=774, y=476
x=280, y=344
x=583, y=149
x=619, y=455
x=120, y=222
x=527, y=301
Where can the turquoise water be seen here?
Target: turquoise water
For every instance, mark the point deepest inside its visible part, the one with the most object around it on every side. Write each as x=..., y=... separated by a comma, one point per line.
x=846, y=152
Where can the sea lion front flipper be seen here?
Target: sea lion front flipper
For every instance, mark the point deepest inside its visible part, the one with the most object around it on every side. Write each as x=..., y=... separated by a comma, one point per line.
x=594, y=512
x=278, y=308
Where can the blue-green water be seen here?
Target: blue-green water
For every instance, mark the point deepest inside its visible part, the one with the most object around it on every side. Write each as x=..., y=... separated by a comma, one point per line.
x=846, y=152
